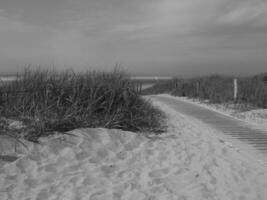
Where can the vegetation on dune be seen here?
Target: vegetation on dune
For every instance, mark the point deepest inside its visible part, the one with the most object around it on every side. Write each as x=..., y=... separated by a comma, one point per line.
x=252, y=91
x=49, y=101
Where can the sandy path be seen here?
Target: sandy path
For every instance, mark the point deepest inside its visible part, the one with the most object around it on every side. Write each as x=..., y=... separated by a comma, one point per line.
x=246, y=132
x=188, y=162
x=256, y=118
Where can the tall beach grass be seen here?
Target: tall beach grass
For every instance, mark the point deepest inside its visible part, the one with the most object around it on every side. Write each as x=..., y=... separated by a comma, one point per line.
x=47, y=101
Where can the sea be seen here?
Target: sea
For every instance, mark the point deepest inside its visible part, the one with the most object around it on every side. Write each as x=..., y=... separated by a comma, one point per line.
x=147, y=81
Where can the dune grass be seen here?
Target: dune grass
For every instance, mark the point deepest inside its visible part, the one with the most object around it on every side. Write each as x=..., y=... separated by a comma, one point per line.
x=252, y=91
x=47, y=101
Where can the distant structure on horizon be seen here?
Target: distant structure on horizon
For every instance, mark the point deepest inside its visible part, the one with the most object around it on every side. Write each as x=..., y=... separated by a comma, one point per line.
x=151, y=77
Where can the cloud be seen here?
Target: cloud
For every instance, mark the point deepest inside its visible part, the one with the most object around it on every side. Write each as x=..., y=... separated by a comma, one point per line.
x=141, y=33
x=69, y=47
x=253, y=12
x=10, y=25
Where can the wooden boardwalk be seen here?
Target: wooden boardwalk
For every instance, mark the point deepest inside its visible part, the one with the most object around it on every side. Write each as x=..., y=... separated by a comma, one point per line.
x=226, y=124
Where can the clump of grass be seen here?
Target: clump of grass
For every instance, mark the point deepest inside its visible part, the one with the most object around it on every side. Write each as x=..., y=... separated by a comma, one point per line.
x=48, y=101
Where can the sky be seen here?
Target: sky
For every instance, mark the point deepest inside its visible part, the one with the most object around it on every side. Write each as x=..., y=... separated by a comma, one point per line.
x=150, y=37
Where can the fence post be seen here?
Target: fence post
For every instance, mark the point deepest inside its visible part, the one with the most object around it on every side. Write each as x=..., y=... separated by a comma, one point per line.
x=197, y=88
x=235, y=89
x=176, y=85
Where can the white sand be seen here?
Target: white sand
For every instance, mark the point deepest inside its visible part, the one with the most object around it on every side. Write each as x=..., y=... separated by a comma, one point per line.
x=258, y=117
x=188, y=162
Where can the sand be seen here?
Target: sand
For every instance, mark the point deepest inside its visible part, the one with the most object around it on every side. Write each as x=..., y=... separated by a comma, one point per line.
x=190, y=161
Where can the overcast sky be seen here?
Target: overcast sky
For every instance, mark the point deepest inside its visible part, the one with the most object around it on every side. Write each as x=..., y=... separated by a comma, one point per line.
x=168, y=37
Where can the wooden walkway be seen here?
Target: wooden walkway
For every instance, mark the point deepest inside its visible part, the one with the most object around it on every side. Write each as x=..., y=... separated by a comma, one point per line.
x=226, y=124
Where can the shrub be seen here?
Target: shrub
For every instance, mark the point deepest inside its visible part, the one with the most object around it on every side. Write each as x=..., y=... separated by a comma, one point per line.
x=49, y=101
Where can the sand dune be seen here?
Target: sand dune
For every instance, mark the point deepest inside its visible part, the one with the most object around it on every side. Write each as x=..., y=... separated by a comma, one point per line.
x=188, y=162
